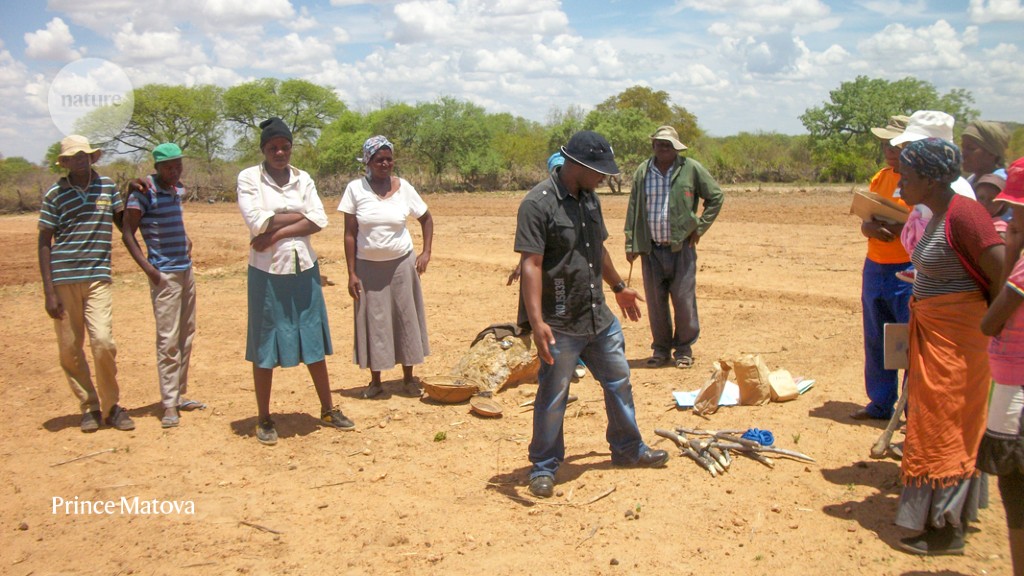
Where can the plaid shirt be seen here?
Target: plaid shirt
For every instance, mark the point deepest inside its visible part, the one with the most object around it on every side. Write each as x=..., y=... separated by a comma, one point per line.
x=657, y=187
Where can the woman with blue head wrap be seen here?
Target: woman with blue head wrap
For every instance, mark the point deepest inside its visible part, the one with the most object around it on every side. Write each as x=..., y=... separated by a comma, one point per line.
x=959, y=261
x=383, y=268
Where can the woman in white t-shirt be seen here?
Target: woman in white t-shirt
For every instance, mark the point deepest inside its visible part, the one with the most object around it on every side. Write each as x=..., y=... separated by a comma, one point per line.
x=383, y=269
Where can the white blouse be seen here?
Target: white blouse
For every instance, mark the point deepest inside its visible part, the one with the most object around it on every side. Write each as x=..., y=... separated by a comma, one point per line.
x=382, y=234
x=260, y=198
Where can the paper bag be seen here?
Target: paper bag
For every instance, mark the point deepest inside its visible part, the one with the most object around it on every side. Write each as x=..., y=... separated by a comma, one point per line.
x=752, y=379
x=783, y=387
x=711, y=392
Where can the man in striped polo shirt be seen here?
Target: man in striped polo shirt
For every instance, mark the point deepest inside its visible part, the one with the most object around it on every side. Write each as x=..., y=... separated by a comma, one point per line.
x=74, y=259
x=154, y=207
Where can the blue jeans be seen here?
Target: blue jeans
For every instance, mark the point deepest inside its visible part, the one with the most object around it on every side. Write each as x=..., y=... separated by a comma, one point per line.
x=885, y=299
x=605, y=356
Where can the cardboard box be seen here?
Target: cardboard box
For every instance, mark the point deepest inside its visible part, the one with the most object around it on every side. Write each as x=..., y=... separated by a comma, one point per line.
x=869, y=205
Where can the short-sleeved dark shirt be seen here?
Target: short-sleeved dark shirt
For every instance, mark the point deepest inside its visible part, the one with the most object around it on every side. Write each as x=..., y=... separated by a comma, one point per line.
x=570, y=234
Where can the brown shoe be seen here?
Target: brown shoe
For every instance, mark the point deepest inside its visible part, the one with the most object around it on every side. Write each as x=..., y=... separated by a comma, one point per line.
x=91, y=421
x=119, y=419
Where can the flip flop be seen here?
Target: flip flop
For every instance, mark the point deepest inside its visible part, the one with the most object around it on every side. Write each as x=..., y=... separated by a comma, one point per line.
x=684, y=362
x=169, y=421
x=190, y=405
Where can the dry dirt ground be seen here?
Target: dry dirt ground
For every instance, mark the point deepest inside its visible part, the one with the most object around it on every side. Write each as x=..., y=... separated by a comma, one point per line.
x=779, y=275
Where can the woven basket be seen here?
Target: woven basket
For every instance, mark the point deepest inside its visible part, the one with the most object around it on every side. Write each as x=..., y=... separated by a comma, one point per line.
x=447, y=389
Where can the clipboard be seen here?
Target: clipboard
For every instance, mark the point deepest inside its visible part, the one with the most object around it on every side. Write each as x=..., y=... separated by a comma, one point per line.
x=897, y=346
x=869, y=205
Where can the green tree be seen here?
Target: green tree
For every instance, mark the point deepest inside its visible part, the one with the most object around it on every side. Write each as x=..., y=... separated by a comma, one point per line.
x=840, y=129
x=306, y=108
x=562, y=124
x=341, y=143
x=13, y=168
x=189, y=117
x=657, y=107
x=522, y=149
x=451, y=133
x=628, y=130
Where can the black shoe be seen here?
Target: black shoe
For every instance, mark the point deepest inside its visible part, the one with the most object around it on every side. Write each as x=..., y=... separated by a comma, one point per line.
x=120, y=419
x=945, y=541
x=336, y=419
x=542, y=486
x=266, y=433
x=91, y=421
x=649, y=459
x=652, y=459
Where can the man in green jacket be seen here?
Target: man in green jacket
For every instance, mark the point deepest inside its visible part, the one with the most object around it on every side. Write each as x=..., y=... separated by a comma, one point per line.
x=663, y=228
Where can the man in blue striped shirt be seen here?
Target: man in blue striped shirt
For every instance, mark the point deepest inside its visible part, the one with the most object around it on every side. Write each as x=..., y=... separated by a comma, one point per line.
x=75, y=230
x=154, y=208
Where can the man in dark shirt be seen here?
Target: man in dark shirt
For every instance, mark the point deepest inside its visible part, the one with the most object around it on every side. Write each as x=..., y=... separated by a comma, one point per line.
x=560, y=236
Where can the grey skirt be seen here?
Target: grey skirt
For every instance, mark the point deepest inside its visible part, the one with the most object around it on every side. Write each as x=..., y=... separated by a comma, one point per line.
x=390, y=321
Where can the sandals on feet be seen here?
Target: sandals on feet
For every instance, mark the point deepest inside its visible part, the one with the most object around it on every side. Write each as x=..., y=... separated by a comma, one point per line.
x=684, y=362
x=190, y=405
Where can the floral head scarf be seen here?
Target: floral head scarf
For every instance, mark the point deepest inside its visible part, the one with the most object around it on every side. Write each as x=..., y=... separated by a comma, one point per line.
x=372, y=145
x=933, y=158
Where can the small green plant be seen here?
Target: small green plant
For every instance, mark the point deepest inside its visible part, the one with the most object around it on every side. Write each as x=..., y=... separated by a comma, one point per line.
x=759, y=557
x=796, y=438
x=440, y=436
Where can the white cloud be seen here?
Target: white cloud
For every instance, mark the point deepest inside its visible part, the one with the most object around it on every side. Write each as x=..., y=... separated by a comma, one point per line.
x=232, y=52
x=298, y=55
x=302, y=23
x=983, y=11
x=246, y=12
x=471, y=21
x=785, y=11
x=216, y=75
x=52, y=43
x=895, y=8
x=340, y=35
x=147, y=45
x=916, y=50
x=97, y=15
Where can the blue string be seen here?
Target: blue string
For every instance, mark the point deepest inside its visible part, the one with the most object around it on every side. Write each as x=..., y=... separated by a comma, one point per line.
x=762, y=437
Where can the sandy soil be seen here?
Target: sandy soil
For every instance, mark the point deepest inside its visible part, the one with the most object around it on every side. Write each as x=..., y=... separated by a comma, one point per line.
x=779, y=275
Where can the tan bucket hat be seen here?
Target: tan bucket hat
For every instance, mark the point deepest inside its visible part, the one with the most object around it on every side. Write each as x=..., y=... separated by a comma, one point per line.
x=668, y=134
x=74, y=144
x=897, y=124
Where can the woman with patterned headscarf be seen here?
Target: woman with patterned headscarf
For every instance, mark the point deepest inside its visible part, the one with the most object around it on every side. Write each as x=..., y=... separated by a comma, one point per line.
x=959, y=260
x=383, y=269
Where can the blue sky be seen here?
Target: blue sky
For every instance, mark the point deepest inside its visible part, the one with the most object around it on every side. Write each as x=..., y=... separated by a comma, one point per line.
x=739, y=65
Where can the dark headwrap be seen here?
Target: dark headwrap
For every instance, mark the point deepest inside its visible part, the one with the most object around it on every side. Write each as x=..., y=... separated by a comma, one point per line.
x=993, y=137
x=272, y=128
x=933, y=158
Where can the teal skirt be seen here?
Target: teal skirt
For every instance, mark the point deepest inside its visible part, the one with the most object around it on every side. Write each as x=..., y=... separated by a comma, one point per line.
x=287, y=319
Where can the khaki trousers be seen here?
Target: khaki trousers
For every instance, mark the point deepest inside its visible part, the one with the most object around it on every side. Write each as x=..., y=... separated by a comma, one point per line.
x=88, y=306
x=174, y=307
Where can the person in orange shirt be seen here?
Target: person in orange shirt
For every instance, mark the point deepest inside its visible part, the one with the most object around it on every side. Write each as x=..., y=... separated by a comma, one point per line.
x=884, y=298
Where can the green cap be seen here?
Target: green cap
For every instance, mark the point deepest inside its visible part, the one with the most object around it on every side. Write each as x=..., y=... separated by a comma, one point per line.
x=165, y=152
